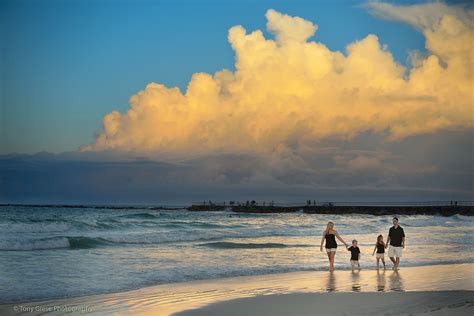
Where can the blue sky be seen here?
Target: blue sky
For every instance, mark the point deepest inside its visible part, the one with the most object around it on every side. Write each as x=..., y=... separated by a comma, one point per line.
x=65, y=64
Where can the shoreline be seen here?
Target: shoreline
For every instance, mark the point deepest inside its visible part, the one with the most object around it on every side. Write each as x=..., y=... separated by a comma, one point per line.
x=168, y=299
x=277, y=274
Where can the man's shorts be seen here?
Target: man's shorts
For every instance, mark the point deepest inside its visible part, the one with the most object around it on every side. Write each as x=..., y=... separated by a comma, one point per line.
x=395, y=251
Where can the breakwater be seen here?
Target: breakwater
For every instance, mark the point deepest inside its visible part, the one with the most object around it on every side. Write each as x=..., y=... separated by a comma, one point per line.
x=420, y=209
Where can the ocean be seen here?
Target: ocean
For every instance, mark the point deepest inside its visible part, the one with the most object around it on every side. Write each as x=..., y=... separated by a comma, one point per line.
x=57, y=252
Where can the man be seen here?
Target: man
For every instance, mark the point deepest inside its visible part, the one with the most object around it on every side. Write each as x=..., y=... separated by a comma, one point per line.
x=395, y=243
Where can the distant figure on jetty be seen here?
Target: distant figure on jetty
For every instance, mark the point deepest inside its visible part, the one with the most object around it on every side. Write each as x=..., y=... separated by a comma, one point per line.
x=330, y=235
x=395, y=243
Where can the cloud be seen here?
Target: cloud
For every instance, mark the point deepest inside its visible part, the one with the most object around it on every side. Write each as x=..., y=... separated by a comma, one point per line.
x=363, y=168
x=288, y=29
x=288, y=93
x=422, y=16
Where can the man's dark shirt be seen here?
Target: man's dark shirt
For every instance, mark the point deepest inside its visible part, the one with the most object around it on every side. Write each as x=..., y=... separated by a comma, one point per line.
x=396, y=235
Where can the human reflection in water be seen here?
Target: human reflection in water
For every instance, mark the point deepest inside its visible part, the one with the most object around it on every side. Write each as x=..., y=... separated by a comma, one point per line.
x=396, y=282
x=331, y=284
x=355, y=280
x=380, y=281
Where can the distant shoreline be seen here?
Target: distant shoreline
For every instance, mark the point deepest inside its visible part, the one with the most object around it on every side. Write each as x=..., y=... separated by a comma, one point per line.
x=418, y=208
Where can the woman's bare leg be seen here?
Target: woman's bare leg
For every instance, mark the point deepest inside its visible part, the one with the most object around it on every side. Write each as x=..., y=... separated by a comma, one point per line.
x=331, y=260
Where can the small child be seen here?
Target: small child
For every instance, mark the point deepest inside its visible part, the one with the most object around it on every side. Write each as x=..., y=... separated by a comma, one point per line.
x=380, y=247
x=355, y=254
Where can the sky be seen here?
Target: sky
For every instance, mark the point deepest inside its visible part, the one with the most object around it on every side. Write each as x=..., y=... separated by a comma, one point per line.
x=179, y=100
x=67, y=63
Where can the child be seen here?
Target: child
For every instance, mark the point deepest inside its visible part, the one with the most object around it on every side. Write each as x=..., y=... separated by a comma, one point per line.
x=355, y=254
x=380, y=247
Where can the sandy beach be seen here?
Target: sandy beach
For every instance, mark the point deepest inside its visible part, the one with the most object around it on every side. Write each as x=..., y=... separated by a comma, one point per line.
x=438, y=289
x=399, y=303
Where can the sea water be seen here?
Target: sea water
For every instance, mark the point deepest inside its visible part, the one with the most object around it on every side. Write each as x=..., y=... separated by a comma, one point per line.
x=58, y=252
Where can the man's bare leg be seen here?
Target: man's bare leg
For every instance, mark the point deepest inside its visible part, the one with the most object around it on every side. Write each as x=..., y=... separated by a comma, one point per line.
x=397, y=263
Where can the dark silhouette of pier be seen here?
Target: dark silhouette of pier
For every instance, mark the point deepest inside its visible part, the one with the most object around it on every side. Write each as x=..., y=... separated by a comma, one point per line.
x=443, y=208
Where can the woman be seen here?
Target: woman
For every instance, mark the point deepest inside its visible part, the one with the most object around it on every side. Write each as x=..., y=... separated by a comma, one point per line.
x=330, y=235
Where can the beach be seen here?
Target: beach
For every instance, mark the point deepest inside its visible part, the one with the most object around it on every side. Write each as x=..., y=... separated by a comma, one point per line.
x=412, y=303
x=438, y=289
x=52, y=253
x=157, y=262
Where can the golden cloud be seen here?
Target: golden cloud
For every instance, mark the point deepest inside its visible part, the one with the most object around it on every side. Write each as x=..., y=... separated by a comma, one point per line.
x=291, y=89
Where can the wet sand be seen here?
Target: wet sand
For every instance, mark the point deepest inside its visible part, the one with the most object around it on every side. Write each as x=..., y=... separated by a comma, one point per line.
x=301, y=304
x=449, y=286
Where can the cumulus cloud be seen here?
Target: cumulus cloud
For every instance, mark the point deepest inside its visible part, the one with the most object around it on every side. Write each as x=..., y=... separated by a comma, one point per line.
x=289, y=92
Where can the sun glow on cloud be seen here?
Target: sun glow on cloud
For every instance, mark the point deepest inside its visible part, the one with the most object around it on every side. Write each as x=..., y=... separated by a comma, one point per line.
x=293, y=89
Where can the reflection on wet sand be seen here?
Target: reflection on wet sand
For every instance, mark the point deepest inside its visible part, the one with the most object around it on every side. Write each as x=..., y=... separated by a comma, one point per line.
x=396, y=282
x=331, y=282
x=167, y=299
x=381, y=281
x=356, y=281
x=385, y=281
